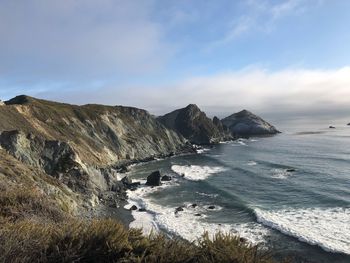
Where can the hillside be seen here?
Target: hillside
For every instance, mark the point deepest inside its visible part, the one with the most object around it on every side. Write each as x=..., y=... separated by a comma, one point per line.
x=194, y=125
x=83, y=146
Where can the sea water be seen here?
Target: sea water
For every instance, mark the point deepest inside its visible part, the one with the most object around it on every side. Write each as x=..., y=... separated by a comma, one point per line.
x=289, y=193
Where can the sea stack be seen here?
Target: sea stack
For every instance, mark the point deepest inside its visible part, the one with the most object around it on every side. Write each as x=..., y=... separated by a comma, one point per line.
x=245, y=123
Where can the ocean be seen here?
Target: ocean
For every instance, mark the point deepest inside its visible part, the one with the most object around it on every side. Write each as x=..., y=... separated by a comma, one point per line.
x=289, y=193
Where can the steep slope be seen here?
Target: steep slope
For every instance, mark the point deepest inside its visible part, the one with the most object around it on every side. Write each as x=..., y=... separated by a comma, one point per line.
x=82, y=146
x=100, y=135
x=245, y=123
x=194, y=125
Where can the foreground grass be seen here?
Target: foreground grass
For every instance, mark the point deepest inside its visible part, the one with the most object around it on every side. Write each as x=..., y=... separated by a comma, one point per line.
x=108, y=241
x=34, y=228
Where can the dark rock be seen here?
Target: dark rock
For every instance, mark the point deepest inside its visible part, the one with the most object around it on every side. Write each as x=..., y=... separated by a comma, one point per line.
x=118, y=187
x=134, y=207
x=179, y=209
x=123, y=169
x=142, y=210
x=331, y=127
x=166, y=178
x=154, y=179
x=348, y=124
x=126, y=180
x=211, y=207
x=242, y=240
x=193, y=205
x=245, y=123
x=194, y=125
x=291, y=170
x=197, y=214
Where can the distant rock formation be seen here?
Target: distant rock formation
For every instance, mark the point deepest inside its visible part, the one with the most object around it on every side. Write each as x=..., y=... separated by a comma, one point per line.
x=195, y=126
x=245, y=123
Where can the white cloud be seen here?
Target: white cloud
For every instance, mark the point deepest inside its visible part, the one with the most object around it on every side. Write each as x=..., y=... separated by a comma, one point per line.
x=262, y=16
x=79, y=37
x=285, y=92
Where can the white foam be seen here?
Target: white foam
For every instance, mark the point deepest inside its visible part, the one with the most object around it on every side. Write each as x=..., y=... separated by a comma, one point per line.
x=202, y=150
x=327, y=228
x=196, y=172
x=252, y=163
x=280, y=173
x=160, y=217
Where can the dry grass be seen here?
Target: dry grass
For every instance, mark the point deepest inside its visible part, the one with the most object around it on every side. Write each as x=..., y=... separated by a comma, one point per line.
x=108, y=241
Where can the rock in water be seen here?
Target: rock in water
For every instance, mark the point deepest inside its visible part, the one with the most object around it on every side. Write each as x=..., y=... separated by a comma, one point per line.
x=154, y=179
x=194, y=125
x=331, y=127
x=166, y=178
x=245, y=123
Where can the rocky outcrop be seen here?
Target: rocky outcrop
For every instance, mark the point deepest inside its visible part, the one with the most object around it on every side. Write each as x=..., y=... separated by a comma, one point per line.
x=154, y=179
x=245, y=123
x=194, y=125
x=54, y=157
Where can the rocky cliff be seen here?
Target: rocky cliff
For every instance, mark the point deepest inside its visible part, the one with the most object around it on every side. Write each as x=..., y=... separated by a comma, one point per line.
x=82, y=146
x=194, y=125
x=245, y=123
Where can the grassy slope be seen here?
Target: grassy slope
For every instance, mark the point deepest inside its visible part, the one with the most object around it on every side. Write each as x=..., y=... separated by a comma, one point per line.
x=101, y=135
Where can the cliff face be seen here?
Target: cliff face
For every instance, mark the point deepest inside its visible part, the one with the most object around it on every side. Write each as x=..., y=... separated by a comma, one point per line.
x=245, y=123
x=81, y=145
x=194, y=125
x=100, y=135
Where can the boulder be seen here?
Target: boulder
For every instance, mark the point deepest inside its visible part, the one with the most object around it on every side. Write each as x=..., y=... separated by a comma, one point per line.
x=331, y=127
x=166, y=178
x=211, y=207
x=193, y=205
x=154, y=179
x=179, y=209
x=134, y=207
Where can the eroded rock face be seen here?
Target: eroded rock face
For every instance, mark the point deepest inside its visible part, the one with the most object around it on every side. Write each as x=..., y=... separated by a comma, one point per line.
x=54, y=157
x=245, y=123
x=194, y=125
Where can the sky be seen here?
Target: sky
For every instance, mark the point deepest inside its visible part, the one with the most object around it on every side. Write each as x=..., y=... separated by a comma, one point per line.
x=286, y=58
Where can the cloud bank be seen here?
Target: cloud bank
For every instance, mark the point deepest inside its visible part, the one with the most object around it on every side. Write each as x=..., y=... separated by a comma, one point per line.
x=293, y=92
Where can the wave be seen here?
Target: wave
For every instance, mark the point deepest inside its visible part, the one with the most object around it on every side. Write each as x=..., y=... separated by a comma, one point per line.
x=165, y=218
x=328, y=228
x=197, y=172
x=280, y=173
x=251, y=163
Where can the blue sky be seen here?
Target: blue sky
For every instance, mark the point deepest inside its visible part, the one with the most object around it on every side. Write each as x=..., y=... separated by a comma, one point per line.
x=162, y=54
